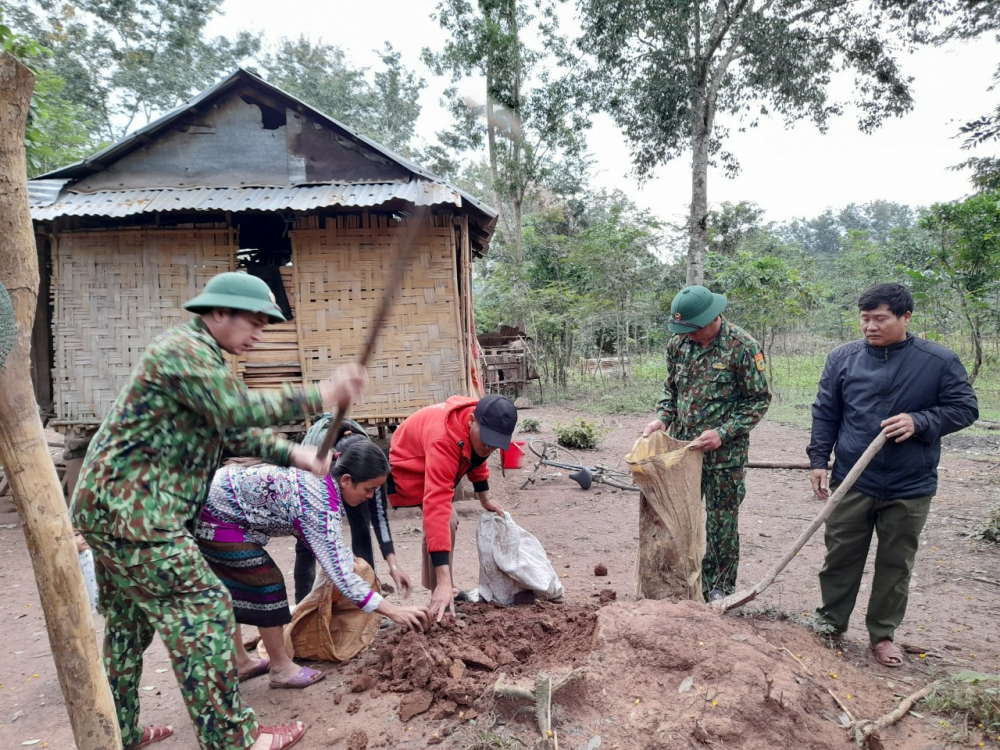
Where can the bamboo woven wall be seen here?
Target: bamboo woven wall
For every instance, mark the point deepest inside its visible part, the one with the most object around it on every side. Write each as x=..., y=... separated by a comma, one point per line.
x=112, y=293
x=340, y=277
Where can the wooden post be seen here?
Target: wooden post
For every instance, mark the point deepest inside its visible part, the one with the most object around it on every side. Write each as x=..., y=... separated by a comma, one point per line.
x=25, y=456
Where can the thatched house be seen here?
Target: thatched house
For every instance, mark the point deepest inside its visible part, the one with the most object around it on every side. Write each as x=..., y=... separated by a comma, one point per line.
x=246, y=176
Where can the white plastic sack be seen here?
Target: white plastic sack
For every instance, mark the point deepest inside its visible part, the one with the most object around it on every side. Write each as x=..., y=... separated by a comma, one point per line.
x=512, y=560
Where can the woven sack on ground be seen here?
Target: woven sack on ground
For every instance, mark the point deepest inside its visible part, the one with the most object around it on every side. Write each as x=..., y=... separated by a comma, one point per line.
x=671, y=518
x=512, y=560
x=327, y=626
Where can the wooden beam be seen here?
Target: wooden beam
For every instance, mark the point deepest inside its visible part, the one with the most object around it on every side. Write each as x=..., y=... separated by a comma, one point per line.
x=25, y=455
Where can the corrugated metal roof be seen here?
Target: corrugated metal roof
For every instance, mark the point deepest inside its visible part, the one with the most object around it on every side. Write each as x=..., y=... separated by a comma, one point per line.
x=121, y=203
x=141, y=136
x=44, y=192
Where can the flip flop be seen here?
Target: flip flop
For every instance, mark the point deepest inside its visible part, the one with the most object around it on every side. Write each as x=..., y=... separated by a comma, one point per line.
x=302, y=679
x=284, y=735
x=261, y=667
x=887, y=654
x=153, y=733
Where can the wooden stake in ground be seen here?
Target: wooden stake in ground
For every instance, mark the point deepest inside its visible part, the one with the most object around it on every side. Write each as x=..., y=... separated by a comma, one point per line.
x=748, y=595
x=23, y=452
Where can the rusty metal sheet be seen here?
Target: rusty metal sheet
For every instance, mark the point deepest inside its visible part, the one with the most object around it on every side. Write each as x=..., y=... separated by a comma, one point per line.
x=119, y=203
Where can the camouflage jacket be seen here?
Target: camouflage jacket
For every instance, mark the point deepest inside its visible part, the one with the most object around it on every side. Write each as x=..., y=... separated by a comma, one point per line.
x=146, y=475
x=720, y=387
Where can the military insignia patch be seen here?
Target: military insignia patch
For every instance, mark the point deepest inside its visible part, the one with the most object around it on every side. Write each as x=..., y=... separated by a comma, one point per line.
x=718, y=366
x=759, y=361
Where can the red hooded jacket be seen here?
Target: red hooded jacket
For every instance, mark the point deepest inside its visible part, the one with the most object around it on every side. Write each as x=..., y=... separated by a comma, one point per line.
x=429, y=455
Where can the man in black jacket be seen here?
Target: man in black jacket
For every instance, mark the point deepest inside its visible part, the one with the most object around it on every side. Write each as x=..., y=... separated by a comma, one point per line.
x=915, y=391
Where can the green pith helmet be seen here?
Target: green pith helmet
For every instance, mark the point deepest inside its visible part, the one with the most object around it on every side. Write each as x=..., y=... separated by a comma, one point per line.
x=236, y=291
x=693, y=308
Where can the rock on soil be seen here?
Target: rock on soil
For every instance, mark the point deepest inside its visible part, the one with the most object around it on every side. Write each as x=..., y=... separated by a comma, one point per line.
x=600, y=569
x=357, y=740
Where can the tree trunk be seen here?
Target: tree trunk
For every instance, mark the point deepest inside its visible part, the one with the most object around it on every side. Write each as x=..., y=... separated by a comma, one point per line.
x=25, y=456
x=698, y=219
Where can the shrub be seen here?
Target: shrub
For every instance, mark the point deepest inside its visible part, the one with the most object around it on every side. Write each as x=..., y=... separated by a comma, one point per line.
x=530, y=424
x=577, y=434
x=971, y=695
x=990, y=530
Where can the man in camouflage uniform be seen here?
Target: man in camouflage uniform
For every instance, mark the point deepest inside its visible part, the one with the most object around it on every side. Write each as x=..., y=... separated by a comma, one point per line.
x=141, y=490
x=714, y=394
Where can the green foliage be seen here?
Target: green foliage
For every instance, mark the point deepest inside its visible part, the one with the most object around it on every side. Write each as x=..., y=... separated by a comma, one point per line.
x=577, y=434
x=384, y=108
x=530, y=119
x=967, y=257
x=123, y=62
x=971, y=697
x=530, y=425
x=768, y=293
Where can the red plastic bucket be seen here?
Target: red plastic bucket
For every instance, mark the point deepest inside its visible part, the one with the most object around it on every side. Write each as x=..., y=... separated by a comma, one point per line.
x=513, y=458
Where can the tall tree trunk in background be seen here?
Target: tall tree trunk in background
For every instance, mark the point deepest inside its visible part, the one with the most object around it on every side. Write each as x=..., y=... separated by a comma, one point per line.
x=24, y=453
x=698, y=218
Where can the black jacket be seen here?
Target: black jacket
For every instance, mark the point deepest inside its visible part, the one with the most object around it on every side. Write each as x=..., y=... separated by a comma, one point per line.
x=863, y=385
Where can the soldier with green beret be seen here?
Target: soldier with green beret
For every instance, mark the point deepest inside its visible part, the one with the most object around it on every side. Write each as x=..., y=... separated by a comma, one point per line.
x=141, y=490
x=714, y=394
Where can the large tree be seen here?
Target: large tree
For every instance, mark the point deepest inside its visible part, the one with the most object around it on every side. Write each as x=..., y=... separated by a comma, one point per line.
x=383, y=106
x=528, y=118
x=124, y=61
x=665, y=68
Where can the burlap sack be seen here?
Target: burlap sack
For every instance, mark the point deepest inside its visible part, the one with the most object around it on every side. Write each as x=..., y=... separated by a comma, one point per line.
x=671, y=518
x=326, y=626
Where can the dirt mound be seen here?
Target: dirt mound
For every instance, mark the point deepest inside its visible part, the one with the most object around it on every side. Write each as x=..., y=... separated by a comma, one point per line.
x=451, y=666
x=665, y=674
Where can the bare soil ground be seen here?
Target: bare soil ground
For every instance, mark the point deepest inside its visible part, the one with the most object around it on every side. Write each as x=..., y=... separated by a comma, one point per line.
x=636, y=655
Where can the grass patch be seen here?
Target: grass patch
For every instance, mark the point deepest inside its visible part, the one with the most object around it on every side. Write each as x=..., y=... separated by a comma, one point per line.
x=971, y=698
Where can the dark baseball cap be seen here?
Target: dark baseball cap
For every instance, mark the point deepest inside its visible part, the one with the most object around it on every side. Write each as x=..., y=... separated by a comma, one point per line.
x=497, y=418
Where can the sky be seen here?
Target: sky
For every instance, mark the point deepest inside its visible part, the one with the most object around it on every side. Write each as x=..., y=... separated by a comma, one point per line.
x=789, y=171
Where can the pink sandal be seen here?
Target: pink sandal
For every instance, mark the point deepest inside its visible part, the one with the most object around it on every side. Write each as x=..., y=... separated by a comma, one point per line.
x=153, y=733
x=284, y=735
x=302, y=679
x=887, y=654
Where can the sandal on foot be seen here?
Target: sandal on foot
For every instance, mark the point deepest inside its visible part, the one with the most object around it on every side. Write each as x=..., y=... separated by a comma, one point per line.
x=153, y=733
x=261, y=667
x=887, y=654
x=284, y=735
x=302, y=679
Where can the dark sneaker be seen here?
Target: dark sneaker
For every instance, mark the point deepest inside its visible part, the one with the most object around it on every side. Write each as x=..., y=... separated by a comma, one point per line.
x=715, y=595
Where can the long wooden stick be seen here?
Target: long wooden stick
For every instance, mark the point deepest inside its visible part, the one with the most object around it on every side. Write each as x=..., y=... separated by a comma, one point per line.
x=748, y=595
x=25, y=455
x=392, y=288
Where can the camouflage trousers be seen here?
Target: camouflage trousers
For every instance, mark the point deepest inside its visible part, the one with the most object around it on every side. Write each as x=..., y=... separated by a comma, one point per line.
x=169, y=589
x=723, y=490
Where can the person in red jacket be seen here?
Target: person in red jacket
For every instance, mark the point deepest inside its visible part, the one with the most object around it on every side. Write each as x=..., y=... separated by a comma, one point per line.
x=430, y=453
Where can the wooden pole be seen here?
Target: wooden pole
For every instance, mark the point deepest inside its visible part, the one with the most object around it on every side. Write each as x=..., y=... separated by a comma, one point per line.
x=748, y=595
x=25, y=456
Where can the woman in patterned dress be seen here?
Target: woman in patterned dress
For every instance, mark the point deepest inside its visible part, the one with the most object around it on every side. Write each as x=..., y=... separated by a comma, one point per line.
x=249, y=504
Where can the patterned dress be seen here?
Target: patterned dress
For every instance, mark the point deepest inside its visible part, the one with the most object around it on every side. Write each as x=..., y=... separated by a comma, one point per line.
x=247, y=505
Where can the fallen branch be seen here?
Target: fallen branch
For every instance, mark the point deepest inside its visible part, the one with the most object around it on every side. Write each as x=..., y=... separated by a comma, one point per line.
x=748, y=595
x=545, y=688
x=778, y=465
x=801, y=663
x=866, y=731
x=847, y=712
